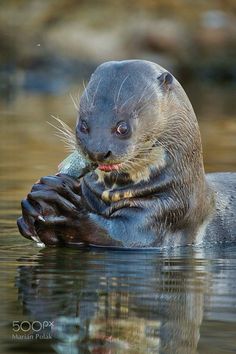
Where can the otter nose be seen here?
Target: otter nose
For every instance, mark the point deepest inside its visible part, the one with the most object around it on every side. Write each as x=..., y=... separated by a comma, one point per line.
x=99, y=156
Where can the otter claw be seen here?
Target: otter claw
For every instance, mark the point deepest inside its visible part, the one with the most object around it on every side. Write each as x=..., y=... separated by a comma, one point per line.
x=36, y=239
x=54, y=220
x=41, y=218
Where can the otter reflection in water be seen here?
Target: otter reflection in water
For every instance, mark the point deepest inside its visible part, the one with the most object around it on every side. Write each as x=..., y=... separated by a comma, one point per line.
x=145, y=186
x=116, y=302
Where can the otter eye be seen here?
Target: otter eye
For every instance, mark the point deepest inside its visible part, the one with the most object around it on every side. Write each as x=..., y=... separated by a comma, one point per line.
x=122, y=128
x=83, y=127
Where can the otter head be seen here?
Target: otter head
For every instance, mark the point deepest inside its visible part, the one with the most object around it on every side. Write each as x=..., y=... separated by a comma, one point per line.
x=127, y=113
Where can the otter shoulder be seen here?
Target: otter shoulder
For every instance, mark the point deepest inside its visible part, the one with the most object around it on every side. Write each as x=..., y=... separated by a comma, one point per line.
x=221, y=228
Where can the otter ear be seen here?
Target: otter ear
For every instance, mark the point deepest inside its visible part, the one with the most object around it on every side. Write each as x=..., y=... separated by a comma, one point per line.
x=165, y=80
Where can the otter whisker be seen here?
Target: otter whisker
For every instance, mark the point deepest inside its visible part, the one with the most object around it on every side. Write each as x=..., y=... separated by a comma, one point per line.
x=86, y=92
x=126, y=102
x=74, y=102
x=144, y=91
x=66, y=128
x=118, y=95
x=171, y=153
x=67, y=144
x=82, y=107
x=95, y=93
x=145, y=155
x=155, y=141
x=65, y=133
x=146, y=104
x=77, y=100
x=62, y=135
x=137, y=161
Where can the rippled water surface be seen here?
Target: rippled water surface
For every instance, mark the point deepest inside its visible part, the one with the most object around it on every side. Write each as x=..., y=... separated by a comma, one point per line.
x=92, y=301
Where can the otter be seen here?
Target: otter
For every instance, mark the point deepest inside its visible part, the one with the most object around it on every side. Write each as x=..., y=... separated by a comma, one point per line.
x=148, y=187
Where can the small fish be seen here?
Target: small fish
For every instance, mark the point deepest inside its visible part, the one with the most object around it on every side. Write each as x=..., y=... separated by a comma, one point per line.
x=76, y=165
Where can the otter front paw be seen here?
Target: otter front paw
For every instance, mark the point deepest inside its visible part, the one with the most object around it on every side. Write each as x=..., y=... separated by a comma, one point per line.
x=51, y=212
x=31, y=223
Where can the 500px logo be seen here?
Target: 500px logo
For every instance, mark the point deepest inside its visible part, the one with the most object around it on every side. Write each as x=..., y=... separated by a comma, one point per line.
x=27, y=326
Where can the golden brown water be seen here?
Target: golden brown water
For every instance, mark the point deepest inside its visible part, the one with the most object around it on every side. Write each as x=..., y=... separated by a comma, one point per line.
x=181, y=301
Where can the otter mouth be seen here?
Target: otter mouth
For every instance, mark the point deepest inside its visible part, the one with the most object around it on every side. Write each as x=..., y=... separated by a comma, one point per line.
x=110, y=167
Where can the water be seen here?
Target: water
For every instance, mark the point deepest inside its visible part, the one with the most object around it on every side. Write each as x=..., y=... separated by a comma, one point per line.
x=92, y=301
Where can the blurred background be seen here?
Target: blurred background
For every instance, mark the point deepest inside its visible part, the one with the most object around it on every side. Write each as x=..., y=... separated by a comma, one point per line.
x=48, y=47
